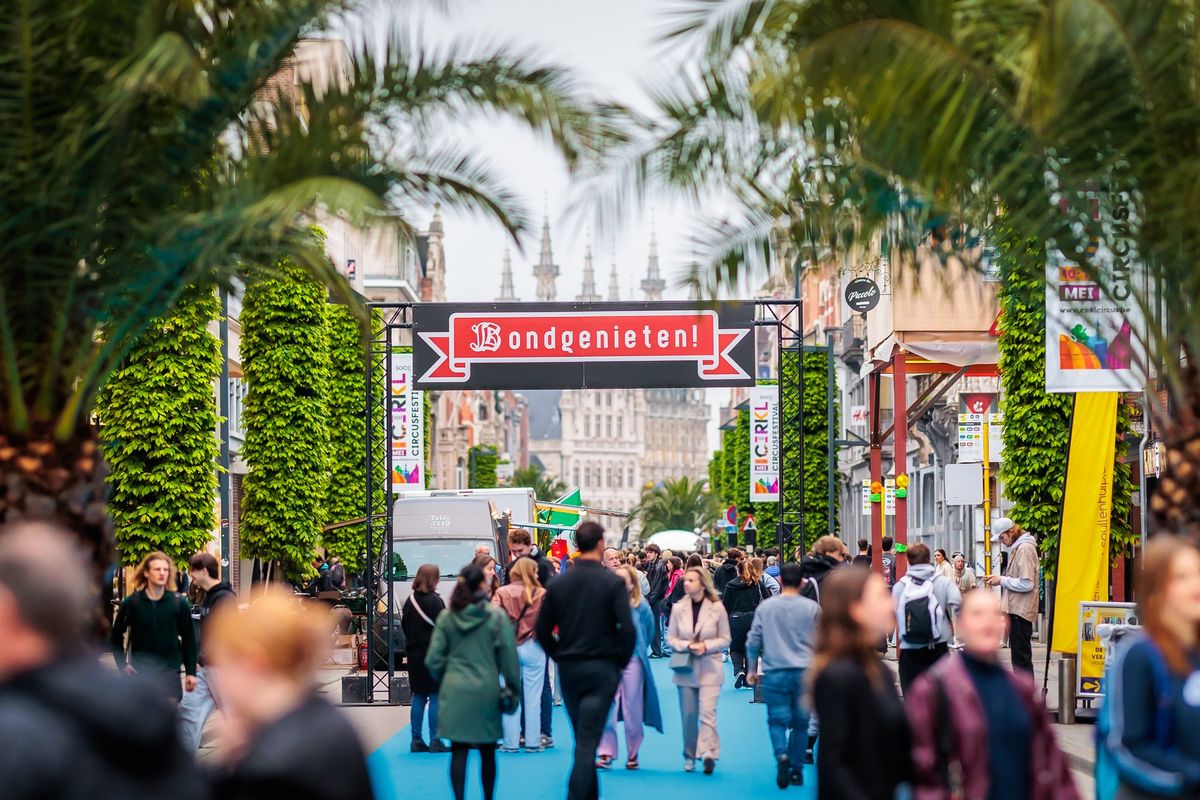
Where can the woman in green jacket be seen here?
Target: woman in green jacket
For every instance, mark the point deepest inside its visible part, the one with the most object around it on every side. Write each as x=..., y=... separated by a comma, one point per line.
x=473, y=647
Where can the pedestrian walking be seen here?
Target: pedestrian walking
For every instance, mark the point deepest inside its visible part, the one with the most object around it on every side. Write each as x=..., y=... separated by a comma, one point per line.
x=199, y=703
x=979, y=729
x=656, y=576
x=780, y=646
x=418, y=617
x=1018, y=589
x=521, y=601
x=265, y=660
x=769, y=582
x=637, y=697
x=491, y=574
x=473, y=648
x=727, y=571
x=855, y=695
x=941, y=562
x=826, y=556
x=589, y=608
x=864, y=554
x=926, y=602
x=162, y=637
x=964, y=576
x=741, y=597
x=888, y=562
x=674, y=576
x=1152, y=738
x=698, y=633
x=73, y=729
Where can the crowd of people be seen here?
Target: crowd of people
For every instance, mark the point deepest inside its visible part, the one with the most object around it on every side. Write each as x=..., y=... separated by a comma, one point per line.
x=804, y=636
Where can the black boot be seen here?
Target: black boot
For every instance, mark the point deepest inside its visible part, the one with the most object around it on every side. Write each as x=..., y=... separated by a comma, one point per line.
x=808, y=752
x=436, y=746
x=418, y=745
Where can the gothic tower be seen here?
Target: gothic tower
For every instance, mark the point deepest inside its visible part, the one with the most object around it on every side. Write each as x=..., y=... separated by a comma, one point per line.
x=589, y=294
x=507, y=293
x=614, y=287
x=433, y=285
x=546, y=271
x=653, y=285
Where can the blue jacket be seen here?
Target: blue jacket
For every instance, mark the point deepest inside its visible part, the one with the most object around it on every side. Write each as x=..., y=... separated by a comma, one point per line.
x=643, y=620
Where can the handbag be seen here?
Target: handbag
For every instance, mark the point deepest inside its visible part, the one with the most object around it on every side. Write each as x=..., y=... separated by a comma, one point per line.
x=681, y=662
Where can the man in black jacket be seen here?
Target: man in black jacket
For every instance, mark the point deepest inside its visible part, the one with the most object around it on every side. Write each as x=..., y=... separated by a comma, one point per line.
x=656, y=576
x=728, y=570
x=162, y=636
x=71, y=728
x=520, y=545
x=198, y=703
x=826, y=555
x=590, y=608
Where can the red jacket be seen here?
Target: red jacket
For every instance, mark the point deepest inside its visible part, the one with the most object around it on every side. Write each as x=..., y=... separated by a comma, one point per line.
x=1051, y=774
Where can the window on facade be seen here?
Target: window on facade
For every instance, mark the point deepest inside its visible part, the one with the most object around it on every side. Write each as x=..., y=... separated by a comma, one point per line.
x=587, y=425
x=620, y=426
x=608, y=479
x=587, y=476
x=928, y=502
x=576, y=474
x=608, y=426
x=631, y=483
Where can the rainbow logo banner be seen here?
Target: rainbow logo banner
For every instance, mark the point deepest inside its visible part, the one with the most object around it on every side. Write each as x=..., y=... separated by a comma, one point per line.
x=406, y=423
x=764, y=444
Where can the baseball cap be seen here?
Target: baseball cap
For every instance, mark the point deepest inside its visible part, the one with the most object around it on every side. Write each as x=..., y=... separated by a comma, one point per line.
x=1000, y=526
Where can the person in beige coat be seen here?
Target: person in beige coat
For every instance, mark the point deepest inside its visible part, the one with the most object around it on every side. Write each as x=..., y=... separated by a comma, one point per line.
x=699, y=626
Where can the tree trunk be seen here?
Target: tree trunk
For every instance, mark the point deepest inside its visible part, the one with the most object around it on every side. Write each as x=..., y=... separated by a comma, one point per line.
x=62, y=483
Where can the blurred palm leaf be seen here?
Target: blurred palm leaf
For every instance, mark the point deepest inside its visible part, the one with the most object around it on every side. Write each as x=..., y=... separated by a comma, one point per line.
x=683, y=504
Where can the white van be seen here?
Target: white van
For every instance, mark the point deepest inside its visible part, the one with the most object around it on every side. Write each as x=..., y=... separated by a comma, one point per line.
x=443, y=529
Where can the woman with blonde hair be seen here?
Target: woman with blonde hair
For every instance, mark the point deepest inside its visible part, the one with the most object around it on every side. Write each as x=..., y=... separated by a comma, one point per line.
x=637, y=696
x=264, y=664
x=698, y=633
x=162, y=637
x=521, y=600
x=417, y=618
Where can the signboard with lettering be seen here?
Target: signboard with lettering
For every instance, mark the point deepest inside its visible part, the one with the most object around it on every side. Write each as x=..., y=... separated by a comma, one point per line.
x=764, y=444
x=862, y=294
x=583, y=345
x=406, y=416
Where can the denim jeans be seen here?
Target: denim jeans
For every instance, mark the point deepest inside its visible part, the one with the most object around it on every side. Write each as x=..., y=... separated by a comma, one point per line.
x=533, y=677
x=787, y=719
x=419, y=703
x=194, y=710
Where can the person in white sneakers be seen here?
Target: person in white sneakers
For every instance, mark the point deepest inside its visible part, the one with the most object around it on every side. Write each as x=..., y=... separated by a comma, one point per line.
x=925, y=604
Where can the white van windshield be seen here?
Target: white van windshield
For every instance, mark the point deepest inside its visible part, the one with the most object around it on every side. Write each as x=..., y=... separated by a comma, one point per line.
x=450, y=555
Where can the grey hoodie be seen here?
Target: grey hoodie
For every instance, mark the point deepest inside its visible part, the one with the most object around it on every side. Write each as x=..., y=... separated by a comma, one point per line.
x=944, y=589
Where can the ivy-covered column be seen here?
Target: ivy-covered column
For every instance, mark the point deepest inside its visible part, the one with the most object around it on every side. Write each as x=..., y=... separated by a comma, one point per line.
x=158, y=422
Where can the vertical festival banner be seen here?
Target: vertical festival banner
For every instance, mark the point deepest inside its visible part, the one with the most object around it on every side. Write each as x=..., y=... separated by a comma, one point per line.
x=1093, y=322
x=406, y=418
x=764, y=444
x=1086, y=515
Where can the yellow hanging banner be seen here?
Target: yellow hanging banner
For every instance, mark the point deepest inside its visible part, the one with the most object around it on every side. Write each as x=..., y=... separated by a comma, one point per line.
x=1086, y=515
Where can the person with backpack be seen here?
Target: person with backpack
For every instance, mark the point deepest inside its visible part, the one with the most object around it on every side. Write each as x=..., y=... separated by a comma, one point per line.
x=1148, y=735
x=521, y=600
x=162, y=636
x=198, y=704
x=741, y=597
x=826, y=556
x=925, y=604
x=728, y=570
x=980, y=730
x=472, y=648
x=418, y=617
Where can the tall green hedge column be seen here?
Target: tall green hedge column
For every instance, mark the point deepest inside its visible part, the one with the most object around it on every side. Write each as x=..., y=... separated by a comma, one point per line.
x=483, y=463
x=285, y=358
x=1037, y=425
x=158, y=421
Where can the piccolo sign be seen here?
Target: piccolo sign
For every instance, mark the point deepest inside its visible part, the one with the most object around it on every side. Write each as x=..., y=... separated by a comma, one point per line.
x=583, y=345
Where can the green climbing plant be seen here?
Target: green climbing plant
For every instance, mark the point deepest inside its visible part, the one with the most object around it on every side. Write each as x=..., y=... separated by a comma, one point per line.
x=1037, y=424
x=817, y=409
x=285, y=357
x=158, y=421
x=483, y=463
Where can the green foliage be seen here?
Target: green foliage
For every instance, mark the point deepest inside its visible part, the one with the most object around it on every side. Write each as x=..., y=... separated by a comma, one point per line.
x=286, y=360
x=681, y=504
x=346, y=492
x=483, y=463
x=158, y=415
x=1037, y=424
x=816, y=449
x=544, y=486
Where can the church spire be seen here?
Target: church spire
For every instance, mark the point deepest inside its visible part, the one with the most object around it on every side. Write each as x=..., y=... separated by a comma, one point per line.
x=546, y=271
x=589, y=294
x=614, y=286
x=507, y=293
x=653, y=285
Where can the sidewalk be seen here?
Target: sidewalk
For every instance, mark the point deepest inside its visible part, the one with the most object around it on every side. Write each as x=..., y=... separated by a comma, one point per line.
x=1077, y=741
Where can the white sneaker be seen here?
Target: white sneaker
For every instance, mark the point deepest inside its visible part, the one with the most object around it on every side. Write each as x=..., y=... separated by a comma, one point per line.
x=689, y=764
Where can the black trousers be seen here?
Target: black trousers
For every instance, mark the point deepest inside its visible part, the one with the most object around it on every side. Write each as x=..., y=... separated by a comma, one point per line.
x=588, y=688
x=656, y=642
x=914, y=662
x=1020, y=642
